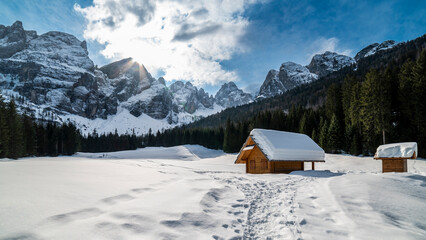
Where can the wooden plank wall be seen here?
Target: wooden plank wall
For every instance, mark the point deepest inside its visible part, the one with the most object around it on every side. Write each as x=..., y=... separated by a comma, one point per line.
x=287, y=167
x=257, y=162
x=394, y=165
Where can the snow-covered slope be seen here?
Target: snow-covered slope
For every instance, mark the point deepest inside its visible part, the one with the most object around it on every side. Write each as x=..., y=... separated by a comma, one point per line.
x=290, y=76
x=190, y=192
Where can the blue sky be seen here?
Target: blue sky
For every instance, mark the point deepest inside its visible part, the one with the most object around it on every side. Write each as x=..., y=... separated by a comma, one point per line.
x=219, y=42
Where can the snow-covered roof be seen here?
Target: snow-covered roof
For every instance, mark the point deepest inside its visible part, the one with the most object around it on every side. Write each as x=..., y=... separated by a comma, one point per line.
x=287, y=146
x=397, y=150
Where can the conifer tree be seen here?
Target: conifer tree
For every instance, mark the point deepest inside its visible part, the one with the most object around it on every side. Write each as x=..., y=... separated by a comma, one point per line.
x=419, y=90
x=382, y=101
x=227, y=141
x=368, y=109
x=333, y=135
x=15, y=132
x=323, y=135
x=29, y=135
x=4, y=130
x=407, y=106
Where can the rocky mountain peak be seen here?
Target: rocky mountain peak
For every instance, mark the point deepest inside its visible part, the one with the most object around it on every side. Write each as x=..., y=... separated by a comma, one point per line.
x=229, y=95
x=374, y=48
x=288, y=77
x=324, y=64
x=12, y=39
x=162, y=81
x=17, y=25
x=271, y=85
x=186, y=97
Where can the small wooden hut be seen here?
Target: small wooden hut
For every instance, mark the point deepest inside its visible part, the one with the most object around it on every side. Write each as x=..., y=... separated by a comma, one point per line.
x=394, y=156
x=270, y=151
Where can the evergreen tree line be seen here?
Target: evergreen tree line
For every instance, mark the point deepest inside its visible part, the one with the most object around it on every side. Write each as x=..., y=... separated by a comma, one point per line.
x=208, y=137
x=110, y=142
x=21, y=136
x=383, y=106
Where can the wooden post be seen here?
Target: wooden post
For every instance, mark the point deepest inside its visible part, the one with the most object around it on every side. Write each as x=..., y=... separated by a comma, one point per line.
x=313, y=165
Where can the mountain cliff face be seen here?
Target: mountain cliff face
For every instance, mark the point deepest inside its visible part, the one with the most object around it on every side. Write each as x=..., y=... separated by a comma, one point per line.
x=289, y=76
x=328, y=62
x=188, y=98
x=229, y=95
x=54, y=75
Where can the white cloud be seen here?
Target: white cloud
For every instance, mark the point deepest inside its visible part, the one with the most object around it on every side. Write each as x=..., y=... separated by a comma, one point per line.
x=185, y=39
x=322, y=45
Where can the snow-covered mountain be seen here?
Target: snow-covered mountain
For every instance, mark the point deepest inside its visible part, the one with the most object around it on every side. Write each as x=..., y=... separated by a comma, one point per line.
x=374, y=48
x=289, y=76
x=292, y=74
x=328, y=62
x=55, y=78
x=187, y=98
x=229, y=95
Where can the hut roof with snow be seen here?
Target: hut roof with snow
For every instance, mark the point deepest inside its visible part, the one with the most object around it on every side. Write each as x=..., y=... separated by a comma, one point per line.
x=267, y=151
x=287, y=146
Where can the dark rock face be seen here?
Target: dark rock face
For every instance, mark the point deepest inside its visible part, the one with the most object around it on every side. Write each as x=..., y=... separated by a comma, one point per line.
x=364, y=51
x=156, y=102
x=12, y=39
x=290, y=76
x=328, y=62
x=229, y=95
x=271, y=85
x=205, y=99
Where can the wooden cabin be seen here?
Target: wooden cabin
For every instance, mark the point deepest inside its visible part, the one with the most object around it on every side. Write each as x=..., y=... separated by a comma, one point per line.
x=270, y=151
x=394, y=156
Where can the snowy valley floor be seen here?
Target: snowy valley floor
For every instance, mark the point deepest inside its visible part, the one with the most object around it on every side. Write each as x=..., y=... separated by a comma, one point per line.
x=189, y=192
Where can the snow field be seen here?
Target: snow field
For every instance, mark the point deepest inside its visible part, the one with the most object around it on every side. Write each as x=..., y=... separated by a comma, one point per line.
x=189, y=192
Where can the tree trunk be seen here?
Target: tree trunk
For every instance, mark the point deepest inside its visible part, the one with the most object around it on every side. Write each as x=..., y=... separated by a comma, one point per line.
x=384, y=139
